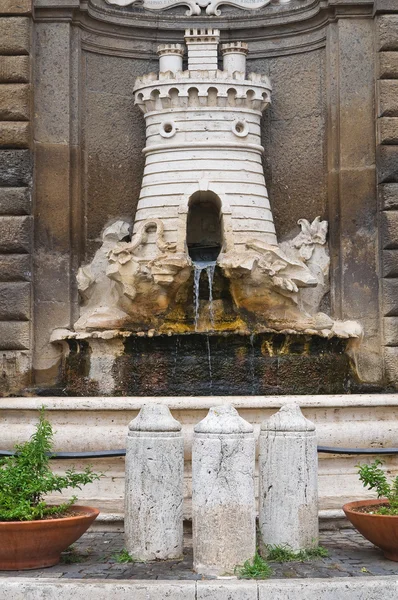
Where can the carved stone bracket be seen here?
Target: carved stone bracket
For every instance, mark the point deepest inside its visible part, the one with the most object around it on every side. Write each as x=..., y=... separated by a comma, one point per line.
x=194, y=6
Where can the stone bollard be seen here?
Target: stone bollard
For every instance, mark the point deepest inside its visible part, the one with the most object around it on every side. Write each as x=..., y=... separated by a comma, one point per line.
x=288, y=472
x=223, y=506
x=154, y=485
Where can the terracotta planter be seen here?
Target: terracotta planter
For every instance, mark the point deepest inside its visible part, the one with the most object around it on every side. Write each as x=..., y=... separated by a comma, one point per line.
x=37, y=544
x=381, y=530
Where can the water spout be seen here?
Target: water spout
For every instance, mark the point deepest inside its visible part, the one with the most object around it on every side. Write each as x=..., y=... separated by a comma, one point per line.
x=198, y=267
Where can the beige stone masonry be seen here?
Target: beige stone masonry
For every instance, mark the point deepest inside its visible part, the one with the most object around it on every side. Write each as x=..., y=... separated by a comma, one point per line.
x=15, y=267
x=15, y=234
x=14, y=134
x=14, y=69
x=389, y=195
x=388, y=65
x=387, y=32
x=388, y=98
x=14, y=301
x=387, y=130
x=14, y=102
x=390, y=229
x=14, y=200
x=14, y=335
x=14, y=35
x=15, y=7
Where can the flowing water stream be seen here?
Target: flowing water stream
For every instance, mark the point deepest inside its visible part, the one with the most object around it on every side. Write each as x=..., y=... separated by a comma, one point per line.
x=198, y=267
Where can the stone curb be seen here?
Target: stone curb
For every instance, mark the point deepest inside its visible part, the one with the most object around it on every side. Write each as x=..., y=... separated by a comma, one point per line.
x=344, y=588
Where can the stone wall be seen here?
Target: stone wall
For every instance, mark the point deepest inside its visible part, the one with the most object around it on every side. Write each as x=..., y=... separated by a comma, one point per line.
x=319, y=135
x=387, y=172
x=15, y=194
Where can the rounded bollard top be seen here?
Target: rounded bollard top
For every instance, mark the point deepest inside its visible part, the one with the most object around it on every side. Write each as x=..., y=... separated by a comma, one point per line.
x=223, y=419
x=288, y=418
x=154, y=417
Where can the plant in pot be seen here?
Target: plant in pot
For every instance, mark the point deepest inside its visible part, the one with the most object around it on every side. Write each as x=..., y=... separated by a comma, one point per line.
x=377, y=520
x=33, y=533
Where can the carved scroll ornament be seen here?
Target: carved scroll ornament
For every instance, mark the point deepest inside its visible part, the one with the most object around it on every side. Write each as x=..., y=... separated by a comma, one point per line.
x=194, y=6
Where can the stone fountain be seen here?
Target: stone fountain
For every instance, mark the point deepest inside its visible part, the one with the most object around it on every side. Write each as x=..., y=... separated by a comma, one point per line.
x=204, y=211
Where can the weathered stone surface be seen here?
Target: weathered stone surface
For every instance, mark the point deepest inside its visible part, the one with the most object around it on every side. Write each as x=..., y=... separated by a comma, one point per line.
x=388, y=194
x=15, y=372
x=154, y=485
x=14, y=134
x=387, y=130
x=390, y=263
x=14, y=102
x=52, y=83
x=35, y=589
x=15, y=267
x=14, y=335
x=387, y=29
x=390, y=229
x=391, y=364
x=52, y=184
x=14, y=301
x=14, y=35
x=15, y=234
x=387, y=164
x=288, y=469
x=15, y=200
x=388, y=98
x=14, y=7
x=388, y=65
x=15, y=167
x=390, y=297
x=223, y=507
x=14, y=69
x=226, y=590
x=390, y=331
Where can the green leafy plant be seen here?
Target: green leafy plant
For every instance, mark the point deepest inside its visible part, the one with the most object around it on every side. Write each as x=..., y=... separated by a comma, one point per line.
x=284, y=553
x=374, y=478
x=256, y=568
x=123, y=557
x=26, y=477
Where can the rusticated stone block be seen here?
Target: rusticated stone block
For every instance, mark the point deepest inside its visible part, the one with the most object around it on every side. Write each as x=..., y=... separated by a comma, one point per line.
x=14, y=301
x=390, y=229
x=390, y=263
x=391, y=364
x=388, y=98
x=15, y=234
x=14, y=69
x=390, y=331
x=387, y=30
x=387, y=130
x=14, y=35
x=388, y=194
x=390, y=297
x=14, y=102
x=387, y=164
x=388, y=65
x=15, y=7
x=15, y=267
x=14, y=201
x=14, y=134
x=15, y=167
x=14, y=335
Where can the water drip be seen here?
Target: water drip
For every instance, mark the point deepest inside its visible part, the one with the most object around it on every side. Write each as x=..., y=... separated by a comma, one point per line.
x=198, y=267
x=209, y=363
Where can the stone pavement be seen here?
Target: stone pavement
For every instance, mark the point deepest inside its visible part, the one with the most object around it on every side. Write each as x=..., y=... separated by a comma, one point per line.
x=94, y=557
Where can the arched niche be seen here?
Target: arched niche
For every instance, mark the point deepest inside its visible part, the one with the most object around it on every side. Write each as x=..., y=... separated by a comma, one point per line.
x=204, y=226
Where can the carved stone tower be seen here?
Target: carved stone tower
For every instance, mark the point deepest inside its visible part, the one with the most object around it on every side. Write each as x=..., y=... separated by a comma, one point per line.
x=203, y=174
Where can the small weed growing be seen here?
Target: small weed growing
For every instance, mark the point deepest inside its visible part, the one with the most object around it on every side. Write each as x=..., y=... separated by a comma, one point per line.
x=123, y=557
x=286, y=554
x=256, y=568
x=71, y=556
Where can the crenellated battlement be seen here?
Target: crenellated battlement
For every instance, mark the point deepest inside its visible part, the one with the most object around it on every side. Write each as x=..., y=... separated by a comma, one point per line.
x=217, y=89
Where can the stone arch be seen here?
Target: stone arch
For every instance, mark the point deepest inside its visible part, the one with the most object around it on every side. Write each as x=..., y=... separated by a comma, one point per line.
x=205, y=231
